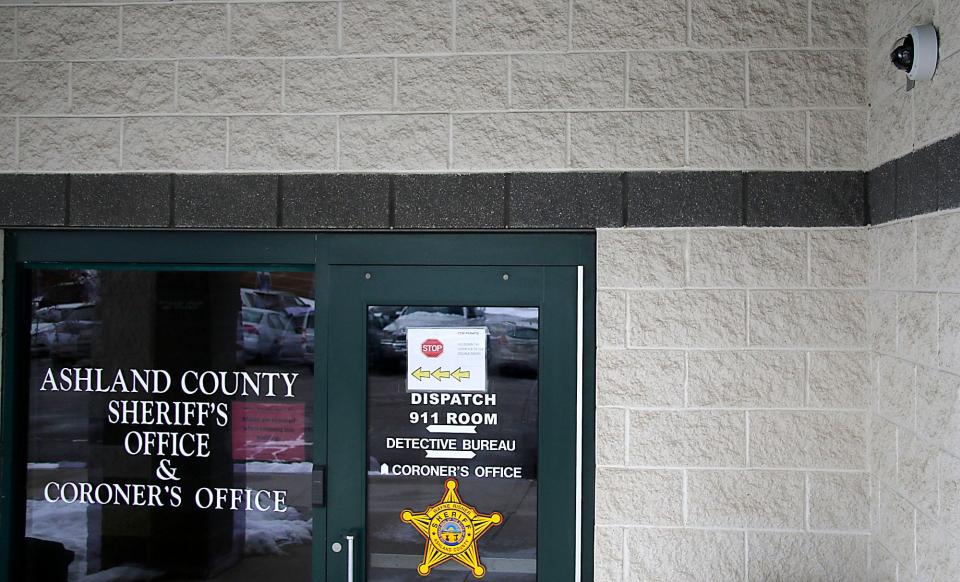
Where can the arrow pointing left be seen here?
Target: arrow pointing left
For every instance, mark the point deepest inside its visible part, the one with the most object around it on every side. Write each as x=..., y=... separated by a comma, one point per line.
x=420, y=374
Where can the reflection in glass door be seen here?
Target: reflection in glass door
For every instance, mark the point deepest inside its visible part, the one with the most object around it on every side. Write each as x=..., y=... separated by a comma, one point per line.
x=452, y=442
x=170, y=425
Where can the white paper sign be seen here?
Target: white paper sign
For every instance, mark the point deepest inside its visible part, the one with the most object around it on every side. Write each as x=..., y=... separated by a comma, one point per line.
x=447, y=359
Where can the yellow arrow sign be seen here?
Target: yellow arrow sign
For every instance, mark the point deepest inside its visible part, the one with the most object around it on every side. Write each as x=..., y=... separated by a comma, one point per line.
x=421, y=374
x=440, y=374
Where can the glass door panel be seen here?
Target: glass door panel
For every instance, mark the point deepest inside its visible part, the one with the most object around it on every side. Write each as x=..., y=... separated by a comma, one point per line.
x=170, y=431
x=452, y=429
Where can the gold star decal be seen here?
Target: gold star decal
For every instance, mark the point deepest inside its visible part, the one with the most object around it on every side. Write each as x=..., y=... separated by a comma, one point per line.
x=452, y=529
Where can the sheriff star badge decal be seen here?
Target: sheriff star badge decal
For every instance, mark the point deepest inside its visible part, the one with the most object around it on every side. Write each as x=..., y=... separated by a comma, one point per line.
x=451, y=529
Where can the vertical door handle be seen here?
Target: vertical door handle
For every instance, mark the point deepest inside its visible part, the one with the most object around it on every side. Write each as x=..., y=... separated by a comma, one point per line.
x=349, y=539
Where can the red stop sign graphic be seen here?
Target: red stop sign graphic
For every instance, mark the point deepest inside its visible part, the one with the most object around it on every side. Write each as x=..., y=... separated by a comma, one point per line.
x=431, y=348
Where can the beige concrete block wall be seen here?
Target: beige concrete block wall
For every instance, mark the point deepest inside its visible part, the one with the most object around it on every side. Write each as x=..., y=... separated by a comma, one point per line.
x=915, y=405
x=902, y=121
x=733, y=386
x=432, y=85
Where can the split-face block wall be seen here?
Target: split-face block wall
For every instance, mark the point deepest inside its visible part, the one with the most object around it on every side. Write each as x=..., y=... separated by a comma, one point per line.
x=774, y=403
x=431, y=85
x=915, y=436
x=733, y=393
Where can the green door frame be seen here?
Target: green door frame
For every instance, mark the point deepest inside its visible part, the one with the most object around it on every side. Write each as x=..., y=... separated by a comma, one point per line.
x=277, y=250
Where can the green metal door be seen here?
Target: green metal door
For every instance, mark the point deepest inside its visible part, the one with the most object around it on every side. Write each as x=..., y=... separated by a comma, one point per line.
x=521, y=505
x=462, y=470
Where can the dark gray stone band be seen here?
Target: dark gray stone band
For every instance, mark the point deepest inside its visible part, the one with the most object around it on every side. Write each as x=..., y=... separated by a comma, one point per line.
x=922, y=181
x=582, y=200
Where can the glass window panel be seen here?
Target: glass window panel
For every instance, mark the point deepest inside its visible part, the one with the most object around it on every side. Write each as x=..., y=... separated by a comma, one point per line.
x=170, y=429
x=484, y=439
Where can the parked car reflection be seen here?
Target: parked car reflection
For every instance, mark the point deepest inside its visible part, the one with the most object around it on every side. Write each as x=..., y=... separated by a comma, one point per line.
x=269, y=336
x=72, y=337
x=305, y=326
x=43, y=321
x=517, y=347
x=393, y=336
x=280, y=301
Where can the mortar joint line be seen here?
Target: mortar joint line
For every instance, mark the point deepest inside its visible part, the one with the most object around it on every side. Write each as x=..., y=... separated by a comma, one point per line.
x=808, y=148
x=689, y=23
x=686, y=138
x=569, y=25
x=806, y=501
x=809, y=22
x=569, y=136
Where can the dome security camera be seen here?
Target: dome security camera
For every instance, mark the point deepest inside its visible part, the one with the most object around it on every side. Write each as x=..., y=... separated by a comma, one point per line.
x=917, y=54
